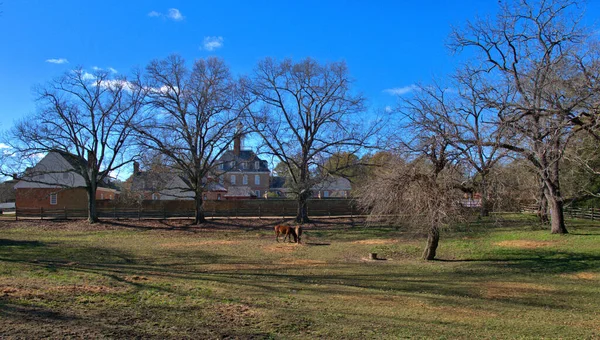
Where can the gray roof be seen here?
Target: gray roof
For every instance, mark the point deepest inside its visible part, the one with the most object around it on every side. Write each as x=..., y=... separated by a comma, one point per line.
x=246, y=156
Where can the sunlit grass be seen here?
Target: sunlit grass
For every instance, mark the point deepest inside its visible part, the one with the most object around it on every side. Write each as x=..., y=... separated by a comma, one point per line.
x=503, y=277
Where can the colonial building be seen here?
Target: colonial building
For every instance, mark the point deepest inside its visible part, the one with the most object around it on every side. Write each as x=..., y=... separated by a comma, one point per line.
x=242, y=173
x=53, y=184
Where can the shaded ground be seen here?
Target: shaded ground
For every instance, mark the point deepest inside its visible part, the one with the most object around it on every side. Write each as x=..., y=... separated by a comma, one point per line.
x=498, y=278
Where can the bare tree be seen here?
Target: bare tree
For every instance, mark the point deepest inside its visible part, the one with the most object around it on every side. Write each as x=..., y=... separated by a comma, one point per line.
x=543, y=76
x=191, y=119
x=88, y=116
x=305, y=111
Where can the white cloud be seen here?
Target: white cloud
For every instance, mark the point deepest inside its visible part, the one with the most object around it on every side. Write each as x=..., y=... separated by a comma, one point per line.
x=4, y=146
x=399, y=91
x=212, y=43
x=174, y=14
x=87, y=76
x=112, y=70
x=388, y=109
x=57, y=61
x=96, y=68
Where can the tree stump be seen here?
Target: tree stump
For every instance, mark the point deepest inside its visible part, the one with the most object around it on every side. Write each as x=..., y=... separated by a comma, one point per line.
x=372, y=256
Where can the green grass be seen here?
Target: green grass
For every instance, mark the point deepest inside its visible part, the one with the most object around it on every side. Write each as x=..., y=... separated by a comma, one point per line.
x=499, y=278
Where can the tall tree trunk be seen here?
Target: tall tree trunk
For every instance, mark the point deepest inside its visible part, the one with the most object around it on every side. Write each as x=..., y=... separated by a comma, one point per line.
x=433, y=238
x=92, y=212
x=542, y=209
x=555, y=201
x=199, y=217
x=485, y=209
x=302, y=214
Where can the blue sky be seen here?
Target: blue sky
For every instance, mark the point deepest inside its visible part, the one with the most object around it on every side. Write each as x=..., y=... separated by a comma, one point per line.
x=386, y=44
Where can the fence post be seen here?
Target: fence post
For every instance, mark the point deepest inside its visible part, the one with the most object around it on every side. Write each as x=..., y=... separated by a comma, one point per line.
x=16, y=214
x=259, y=215
x=139, y=213
x=283, y=213
x=41, y=213
x=66, y=217
x=164, y=213
x=329, y=209
x=114, y=212
x=592, y=213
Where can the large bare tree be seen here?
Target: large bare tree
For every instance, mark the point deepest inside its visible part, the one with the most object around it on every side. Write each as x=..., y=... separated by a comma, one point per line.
x=191, y=119
x=304, y=112
x=81, y=114
x=541, y=77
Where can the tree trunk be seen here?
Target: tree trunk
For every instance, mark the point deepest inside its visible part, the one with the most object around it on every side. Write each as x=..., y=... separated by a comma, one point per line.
x=199, y=211
x=302, y=214
x=485, y=209
x=92, y=213
x=433, y=238
x=555, y=201
x=542, y=210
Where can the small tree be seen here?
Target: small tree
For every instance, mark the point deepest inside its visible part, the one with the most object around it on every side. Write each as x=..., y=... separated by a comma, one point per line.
x=86, y=115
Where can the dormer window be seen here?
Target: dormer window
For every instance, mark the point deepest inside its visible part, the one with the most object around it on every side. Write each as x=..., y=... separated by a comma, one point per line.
x=256, y=165
x=221, y=166
x=231, y=164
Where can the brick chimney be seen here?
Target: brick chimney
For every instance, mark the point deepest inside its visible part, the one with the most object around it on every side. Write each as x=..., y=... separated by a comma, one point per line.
x=136, y=168
x=237, y=140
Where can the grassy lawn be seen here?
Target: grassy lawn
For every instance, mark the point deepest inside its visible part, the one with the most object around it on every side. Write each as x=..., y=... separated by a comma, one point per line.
x=501, y=278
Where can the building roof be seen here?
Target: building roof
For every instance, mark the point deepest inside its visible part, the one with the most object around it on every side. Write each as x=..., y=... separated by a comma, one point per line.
x=245, y=161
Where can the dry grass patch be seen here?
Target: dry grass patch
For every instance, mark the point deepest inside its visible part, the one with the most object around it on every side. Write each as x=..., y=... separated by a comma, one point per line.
x=177, y=245
x=231, y=267
x=302, y=262
x=582, y=276
x=499, y=290
x=524, y=244
x=280, y=248
x=78, y=289
x=236, y=313
x=375, y=241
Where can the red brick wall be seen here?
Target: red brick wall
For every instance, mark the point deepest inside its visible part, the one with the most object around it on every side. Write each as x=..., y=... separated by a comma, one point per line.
x=73, y=198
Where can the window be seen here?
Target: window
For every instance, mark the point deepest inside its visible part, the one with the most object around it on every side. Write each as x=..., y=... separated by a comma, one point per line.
x=325, y=193
x=243, y=165
x=111, y=197
x=232, y=179
x=204, y=197
x=53, y=199
x=256, y=165
x=101, y=196
x=221, y=166
x=231, y=164
x=257, y=179
x=221, y=180
x=245, y=179
x=154, y=197
x=218, y=197
x=257, y=192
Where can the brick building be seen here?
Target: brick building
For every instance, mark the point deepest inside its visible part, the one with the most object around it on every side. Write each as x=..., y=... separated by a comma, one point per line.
x=53, y=184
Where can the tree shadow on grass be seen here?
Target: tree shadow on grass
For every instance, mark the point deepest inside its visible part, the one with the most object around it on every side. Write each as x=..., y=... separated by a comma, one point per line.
x=20, y=243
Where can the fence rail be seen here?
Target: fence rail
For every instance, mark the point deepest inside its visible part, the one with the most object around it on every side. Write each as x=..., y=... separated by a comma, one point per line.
x=250, y=208
x=585, y=213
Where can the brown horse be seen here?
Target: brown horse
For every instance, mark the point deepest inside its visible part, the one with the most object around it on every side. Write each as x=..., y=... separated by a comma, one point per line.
x=288, y=233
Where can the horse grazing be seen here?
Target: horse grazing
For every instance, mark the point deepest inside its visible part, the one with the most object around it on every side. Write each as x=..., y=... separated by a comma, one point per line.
x=288, y=233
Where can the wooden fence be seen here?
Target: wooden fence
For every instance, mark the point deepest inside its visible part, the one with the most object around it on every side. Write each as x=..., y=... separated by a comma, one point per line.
x=184, y=209
x=586, y=213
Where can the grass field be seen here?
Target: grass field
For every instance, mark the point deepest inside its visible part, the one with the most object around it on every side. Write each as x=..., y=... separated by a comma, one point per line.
x=502, y=278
